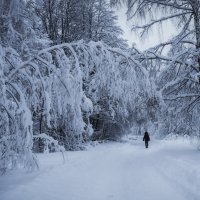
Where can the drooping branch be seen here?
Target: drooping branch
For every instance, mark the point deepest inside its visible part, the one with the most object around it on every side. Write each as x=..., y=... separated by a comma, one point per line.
x=160, y=20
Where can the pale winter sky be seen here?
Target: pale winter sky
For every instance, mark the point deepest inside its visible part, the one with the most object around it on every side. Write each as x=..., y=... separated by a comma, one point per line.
x=153, y=38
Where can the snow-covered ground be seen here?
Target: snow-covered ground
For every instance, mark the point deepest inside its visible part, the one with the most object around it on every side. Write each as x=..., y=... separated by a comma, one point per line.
x=168, y=170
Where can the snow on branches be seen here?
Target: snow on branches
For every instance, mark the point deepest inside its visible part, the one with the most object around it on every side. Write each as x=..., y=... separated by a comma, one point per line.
x=59, y=91
x=174, y=64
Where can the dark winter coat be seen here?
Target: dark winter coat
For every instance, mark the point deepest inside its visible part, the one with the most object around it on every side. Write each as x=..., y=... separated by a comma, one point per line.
x=146, y=137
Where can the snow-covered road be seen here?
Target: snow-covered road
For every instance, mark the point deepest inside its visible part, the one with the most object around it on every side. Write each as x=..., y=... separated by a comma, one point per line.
x=168, y=170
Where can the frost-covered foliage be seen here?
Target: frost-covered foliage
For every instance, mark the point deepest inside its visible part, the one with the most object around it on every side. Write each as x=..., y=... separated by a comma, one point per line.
x=19, y=39
x=68, y=21
x=20, y=28
x=175, y=64
x=63, y=93
x=88, y=83
x=54, y=97
x=15, y=118
x=179, y=86
x=114, y=82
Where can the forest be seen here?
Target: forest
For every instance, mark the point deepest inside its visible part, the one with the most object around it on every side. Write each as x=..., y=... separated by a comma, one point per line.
x=68, y=77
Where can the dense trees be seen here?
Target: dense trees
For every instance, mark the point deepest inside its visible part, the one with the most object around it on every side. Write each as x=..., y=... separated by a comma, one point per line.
x=177, y=60
x=54, y=83
x=54, y=96
x=63, y=81
x=19, y=28
x=19, y=40
x=71, y=20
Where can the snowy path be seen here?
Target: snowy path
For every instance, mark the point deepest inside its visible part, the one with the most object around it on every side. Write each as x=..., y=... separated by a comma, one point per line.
x=117, y=171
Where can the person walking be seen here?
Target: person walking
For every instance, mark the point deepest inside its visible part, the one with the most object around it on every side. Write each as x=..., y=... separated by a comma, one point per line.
x=146, y=138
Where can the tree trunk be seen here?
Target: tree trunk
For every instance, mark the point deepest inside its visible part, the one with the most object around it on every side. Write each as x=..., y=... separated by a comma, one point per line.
x=196, y=6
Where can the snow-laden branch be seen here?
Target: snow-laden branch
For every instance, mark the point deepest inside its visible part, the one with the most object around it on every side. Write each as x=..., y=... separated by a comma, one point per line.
x=50, y=142
x=71, y=47
x=62, y=86
x=182, y=96
x=130, y=58
x=172, y=4
x=162, y=19
x=143, y=7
